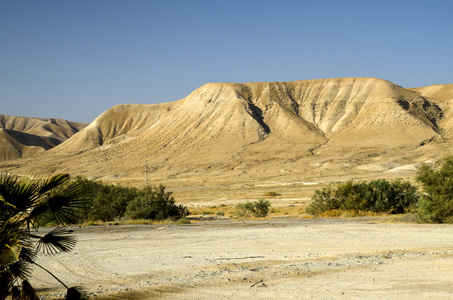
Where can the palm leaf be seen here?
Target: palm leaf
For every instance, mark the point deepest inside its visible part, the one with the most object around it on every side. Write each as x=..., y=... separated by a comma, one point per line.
x=16, y=251
x=63, y=203
x=53, y=182
x=28, y=254
x=10, y=252
x=10, y=236
x=19, y=192
x=3, y=201
x=56, y=241
x=28, y=292
x=24, y=201
x=20, y=269
x=15, y=293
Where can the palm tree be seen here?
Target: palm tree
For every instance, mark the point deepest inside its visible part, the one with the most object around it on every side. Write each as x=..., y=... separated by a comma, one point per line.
x=26, y=204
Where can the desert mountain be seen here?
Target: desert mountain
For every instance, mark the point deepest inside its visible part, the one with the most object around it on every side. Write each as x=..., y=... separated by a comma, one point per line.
x=280, y=131
x=23, y=137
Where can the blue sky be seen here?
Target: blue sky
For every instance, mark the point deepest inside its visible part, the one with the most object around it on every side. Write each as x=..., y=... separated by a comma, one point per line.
x=75, y=59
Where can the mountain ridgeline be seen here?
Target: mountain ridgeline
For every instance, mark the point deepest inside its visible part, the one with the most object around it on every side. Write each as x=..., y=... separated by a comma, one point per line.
x=23, y=137
x=265, y=129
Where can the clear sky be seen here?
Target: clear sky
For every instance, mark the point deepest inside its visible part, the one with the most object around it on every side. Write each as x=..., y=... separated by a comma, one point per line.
x=75, y=59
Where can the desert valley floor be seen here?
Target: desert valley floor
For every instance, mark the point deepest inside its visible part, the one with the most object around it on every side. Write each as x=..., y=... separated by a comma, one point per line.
x=360, y=258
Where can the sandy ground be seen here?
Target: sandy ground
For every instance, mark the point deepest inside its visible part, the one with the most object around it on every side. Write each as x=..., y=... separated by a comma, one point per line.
x=269, y=259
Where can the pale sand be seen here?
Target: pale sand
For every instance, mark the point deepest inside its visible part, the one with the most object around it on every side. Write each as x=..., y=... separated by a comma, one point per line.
x=278, y=259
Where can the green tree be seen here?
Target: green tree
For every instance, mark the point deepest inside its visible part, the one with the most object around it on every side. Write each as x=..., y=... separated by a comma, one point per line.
x=111, y=202
x=25, y=204
x=436, y=205
x=106, y=202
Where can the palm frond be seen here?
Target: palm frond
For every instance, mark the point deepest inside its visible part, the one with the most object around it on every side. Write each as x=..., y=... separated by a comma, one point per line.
x=56, y=241
x=19, y=192
x=24, y=202
x=9, y=253
x=63, y=203
x=6, y=283
x=53, y=182
x=16, y=252
x=3, y=202
x=13, y=240
x=15, y=293
x=28, y=292
x=28, y=253
x=20, y=269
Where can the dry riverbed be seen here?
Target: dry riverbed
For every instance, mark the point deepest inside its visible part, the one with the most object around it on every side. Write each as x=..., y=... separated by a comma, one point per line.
x=361, y=258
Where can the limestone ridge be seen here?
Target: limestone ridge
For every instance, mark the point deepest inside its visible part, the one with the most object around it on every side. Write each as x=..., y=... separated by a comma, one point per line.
x=226, y=126
x=330, y=106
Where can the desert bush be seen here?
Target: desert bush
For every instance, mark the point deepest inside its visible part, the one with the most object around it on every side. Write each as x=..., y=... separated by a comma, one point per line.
x=323, y=200
x=105, y=202
x=242, y=209
x=382, y=196
x=220, y=213
x=109, y=202
x=261, y=208
x=156, y=204
x=436, y=205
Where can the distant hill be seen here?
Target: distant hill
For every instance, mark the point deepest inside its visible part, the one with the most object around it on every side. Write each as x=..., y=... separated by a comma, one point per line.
x=269, y=131
x=24, y=137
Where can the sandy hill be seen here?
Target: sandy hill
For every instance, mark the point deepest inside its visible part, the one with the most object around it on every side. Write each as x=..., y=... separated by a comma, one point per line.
x=261, y=132
x=23, y=137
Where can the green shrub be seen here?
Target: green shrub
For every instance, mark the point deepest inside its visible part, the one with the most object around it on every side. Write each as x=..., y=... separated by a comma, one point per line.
x=220, y=213
x=323, y=200
x=393, y=197
x=436, y=205
x=108, y=203
x=105, y=202
x=242, y=209
x=261, y=208
x=111, y=202
x=156, y=204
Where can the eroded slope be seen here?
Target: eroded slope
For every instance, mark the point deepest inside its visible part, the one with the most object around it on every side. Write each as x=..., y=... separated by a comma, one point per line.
x=232, y=130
